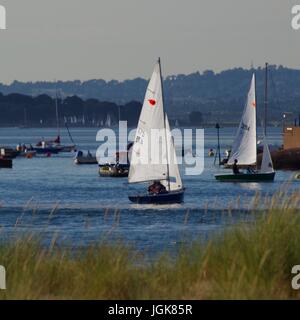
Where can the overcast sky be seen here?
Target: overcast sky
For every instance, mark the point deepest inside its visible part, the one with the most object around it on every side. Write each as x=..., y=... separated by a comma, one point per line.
x=120, y=39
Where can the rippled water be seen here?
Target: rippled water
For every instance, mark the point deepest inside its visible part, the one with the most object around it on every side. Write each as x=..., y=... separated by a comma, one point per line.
x=54, y=196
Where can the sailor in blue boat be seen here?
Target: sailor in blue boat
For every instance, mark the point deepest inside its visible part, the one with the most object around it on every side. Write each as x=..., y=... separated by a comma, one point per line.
x=157, y=188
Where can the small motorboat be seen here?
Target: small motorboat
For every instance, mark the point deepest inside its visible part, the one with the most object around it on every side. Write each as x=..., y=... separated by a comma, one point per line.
x=46, y=150
x=47, y=147
x=8, y=153
x=82, y=158
x=114, y=170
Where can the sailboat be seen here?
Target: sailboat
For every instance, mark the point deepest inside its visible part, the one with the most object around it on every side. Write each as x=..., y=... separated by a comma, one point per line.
x=154, y=121
x=244, y=149
x=55, y=146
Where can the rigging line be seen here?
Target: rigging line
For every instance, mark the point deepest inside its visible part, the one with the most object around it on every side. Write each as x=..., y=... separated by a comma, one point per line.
x=71, y=138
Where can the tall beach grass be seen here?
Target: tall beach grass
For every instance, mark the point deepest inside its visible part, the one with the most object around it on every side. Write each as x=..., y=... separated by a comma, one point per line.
x=248, y=261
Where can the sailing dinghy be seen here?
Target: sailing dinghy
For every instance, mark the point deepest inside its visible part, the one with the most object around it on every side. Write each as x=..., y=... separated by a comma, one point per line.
x=153, y=141
x=244, y=148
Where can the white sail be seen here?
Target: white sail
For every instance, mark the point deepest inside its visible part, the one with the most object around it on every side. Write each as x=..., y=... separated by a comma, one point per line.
x=244, y=148
x=174, y=183
x=143, y=166
x=267, y=163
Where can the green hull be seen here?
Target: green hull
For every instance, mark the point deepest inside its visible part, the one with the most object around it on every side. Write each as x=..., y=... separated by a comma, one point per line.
x=254, y=177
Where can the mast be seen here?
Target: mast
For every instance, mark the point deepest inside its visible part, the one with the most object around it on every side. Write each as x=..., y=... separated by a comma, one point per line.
x=25, y=117
x=255, y=118
x=218, y=154
x=266, y=100
x=164, y=113
x=56, y=107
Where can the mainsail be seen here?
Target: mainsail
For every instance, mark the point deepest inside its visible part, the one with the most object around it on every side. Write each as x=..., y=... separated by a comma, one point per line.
x=153, y=154
x=244, y=148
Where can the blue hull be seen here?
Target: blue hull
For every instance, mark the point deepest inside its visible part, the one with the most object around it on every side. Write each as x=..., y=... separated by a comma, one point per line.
x=46, y=150
x=164, y=198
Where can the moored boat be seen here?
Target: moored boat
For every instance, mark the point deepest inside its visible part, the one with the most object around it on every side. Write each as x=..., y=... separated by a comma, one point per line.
x=114, y=171
x=82, y=158
x=46, y=148
x=8, y=153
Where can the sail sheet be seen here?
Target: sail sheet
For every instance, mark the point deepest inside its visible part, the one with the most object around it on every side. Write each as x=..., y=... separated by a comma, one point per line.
x=144, y=165
x=267, y=163
x=244, y=147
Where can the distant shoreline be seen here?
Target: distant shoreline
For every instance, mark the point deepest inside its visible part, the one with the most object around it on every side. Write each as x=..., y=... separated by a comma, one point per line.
x=203, y=126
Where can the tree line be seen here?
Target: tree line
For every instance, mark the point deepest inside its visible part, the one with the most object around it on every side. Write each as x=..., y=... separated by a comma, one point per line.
x=22, y=110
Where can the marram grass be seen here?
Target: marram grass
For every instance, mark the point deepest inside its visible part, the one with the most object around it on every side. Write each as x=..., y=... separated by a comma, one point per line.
x=250, y=261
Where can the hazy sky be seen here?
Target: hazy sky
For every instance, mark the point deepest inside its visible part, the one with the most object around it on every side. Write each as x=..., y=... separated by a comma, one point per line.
x=120, y=39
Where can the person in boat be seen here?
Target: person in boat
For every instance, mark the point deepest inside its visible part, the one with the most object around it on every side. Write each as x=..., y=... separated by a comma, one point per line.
x=235, y=167
x=157, y=188
x=89, y=154
x=211, y=153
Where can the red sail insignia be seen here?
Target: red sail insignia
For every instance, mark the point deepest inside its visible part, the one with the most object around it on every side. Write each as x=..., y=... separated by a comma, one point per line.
x=152, y=102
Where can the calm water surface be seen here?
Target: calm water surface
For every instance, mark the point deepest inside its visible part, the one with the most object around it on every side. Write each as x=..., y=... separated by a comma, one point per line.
x=54, y=196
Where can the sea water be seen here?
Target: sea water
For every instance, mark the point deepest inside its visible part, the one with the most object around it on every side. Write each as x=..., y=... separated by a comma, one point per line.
x=54, y=197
